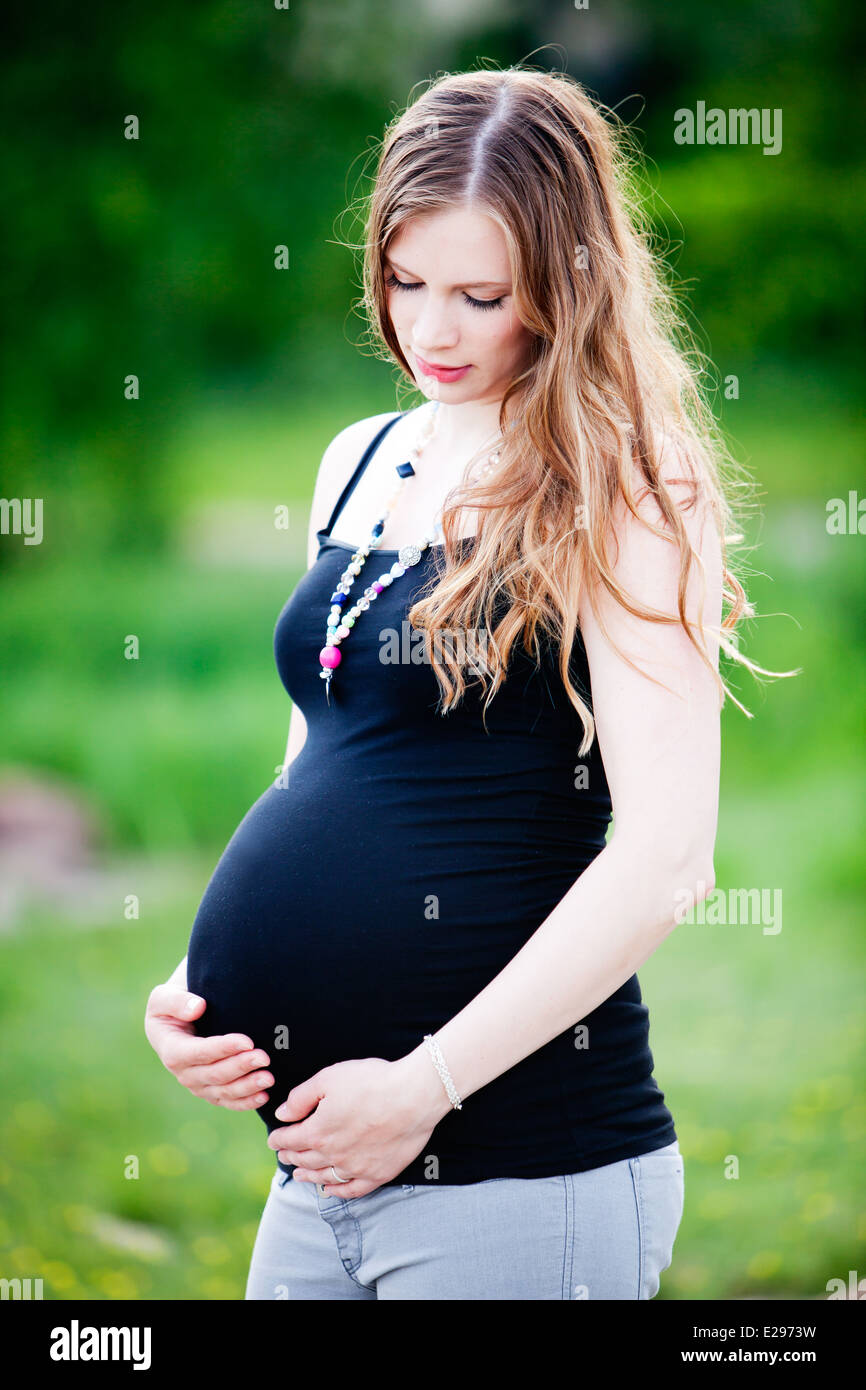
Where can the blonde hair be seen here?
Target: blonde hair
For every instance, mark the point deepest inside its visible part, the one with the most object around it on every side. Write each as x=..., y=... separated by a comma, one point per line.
x=607, y=381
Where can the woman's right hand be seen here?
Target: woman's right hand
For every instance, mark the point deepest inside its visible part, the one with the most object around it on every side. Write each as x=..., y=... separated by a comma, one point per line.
x=224, y=1069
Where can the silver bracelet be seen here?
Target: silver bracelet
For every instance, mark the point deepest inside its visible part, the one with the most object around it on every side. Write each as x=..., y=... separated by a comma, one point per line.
x=439, y=1062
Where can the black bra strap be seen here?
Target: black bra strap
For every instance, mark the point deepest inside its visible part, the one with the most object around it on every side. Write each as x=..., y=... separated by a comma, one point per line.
x=365, y=459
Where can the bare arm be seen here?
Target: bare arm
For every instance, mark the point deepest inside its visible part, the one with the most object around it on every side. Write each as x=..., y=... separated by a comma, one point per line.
x=297, y=736
x=178, y=976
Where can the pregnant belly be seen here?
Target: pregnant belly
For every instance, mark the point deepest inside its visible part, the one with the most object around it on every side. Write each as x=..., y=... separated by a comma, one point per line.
x=325, y=936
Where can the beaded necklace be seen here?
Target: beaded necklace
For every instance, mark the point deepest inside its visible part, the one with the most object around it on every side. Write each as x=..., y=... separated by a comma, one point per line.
x=340, y=624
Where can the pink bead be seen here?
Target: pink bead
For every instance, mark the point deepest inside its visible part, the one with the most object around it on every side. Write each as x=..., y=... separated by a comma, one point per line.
x=377, y=586
x=343, y=631
x=330, y=657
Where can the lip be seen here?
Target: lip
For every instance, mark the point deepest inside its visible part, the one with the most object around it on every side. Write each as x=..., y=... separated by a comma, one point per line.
x=441, y=373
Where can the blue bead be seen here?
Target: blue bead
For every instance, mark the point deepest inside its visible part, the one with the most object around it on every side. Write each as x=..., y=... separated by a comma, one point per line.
x=339, y=597
x=378, y=528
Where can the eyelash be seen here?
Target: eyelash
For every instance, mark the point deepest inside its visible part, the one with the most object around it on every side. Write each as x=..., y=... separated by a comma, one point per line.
x=483, y=304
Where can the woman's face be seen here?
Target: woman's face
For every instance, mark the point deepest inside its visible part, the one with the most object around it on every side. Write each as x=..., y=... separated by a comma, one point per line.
x=450, y=300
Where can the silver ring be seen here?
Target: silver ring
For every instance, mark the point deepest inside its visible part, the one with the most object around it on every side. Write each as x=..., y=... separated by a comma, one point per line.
x=337, y=1178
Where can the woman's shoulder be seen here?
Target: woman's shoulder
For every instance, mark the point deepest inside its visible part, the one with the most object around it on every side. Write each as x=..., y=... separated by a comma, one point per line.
x=340, y=459
x=358, y=433
x=679, y=471
x=346, y=449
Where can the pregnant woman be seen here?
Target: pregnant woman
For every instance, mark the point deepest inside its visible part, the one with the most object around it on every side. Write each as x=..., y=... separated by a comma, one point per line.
x=416, y=957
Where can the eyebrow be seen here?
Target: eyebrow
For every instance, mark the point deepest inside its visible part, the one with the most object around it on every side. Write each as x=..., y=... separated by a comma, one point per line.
x=470, y=284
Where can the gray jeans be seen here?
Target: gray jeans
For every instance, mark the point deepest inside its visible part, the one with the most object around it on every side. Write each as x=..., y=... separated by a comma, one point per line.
x=604, y=1234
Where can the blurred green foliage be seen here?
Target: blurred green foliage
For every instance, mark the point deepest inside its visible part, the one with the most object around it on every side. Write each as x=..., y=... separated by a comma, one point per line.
x=155, y=256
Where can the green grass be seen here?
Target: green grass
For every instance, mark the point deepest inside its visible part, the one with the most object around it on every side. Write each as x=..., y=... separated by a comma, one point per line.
x=88, y=1104
x=758, y=1041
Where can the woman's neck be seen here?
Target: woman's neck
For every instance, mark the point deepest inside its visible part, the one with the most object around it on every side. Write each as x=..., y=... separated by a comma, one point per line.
x=465, y=428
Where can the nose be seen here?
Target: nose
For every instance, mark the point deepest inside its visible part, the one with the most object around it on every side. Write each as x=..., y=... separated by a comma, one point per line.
x=435, y=329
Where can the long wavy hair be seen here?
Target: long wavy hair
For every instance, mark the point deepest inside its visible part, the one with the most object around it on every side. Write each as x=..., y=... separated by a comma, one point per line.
x=609, y=388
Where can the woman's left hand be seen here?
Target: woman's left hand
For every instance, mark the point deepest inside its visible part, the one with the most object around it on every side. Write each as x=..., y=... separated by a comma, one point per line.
x=369, y=1119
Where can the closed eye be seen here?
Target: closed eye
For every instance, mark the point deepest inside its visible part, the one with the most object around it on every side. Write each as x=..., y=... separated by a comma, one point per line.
x=393, y=283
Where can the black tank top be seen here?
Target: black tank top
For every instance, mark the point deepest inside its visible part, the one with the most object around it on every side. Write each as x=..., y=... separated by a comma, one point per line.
x=406, y=857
